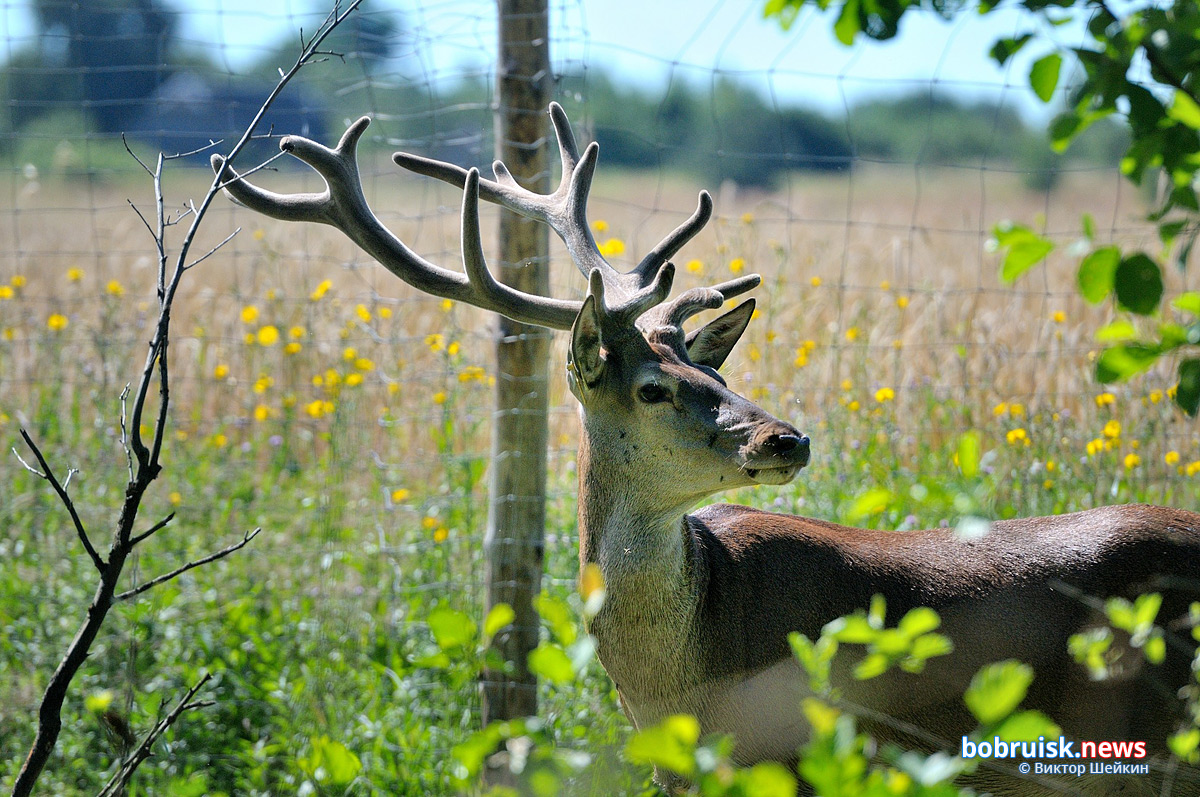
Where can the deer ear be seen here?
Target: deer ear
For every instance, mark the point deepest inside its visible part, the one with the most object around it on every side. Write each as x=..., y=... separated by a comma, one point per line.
x=710, y=344
x=585, y=363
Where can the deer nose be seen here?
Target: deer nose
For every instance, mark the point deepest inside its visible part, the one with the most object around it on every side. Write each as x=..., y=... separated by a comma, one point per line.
x=792, y=446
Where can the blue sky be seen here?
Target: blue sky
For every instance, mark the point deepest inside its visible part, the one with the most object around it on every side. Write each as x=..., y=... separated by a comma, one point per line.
x=648, y=42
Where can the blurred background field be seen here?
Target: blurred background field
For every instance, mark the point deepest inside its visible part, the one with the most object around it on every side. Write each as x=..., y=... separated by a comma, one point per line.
x=317, y=397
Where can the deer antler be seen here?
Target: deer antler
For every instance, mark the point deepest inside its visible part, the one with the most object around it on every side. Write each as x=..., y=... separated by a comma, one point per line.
x=630, y=295
x=343, y=205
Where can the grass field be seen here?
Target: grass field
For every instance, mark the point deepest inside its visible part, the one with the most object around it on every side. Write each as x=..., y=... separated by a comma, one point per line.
x=317, y=397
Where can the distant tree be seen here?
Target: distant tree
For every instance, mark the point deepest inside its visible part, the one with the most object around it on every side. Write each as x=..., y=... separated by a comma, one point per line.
x=107, y=55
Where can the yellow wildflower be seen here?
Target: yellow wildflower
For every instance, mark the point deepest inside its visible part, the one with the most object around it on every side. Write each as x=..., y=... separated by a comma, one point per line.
x=5, y=292
x=263, y=384
x=613, y=247
x=219, y=440
x=1059, y=316
x=902, y=302
x=262, y=412
x=747, y=218
x=435, y=342
x=362, y=312
x=57, y=322
x=385, y=312
x=349, y=353
x=453, y=348
x=816, y=282
x=1095, y=447
x=884, y=394
x=399, y=495
x=354, y=379
x=1193, y=468
x=267, y=336
x=322, y=288
x=447, y=305
x=74, y=274
x=363, y=364
x=737, y=265
x=175, y=498
x=695, y=266
x=18, y=281
x=297, y=332
x=1171, y=458
x=847, y=385
x=249, y=314
x=1112, y=429
x=439, y=397
x=221, y=371
x=600, y=226
x=1156, y=396
x=885, y=286
x=1017, y=436
x=1106, y=400
x=852, y=334
x=441, y=534
x=1132, y=461
x=114, y=288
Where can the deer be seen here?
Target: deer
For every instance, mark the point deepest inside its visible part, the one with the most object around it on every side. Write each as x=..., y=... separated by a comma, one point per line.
x=699, y=606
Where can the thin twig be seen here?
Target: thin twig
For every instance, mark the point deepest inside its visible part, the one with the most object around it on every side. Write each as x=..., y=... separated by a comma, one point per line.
x=154, y=582
x=150, y=531
x=211, y=144
x=214, y=250
x=47, y=474
x=124, y=432
x=145, y=750
x=133, y=155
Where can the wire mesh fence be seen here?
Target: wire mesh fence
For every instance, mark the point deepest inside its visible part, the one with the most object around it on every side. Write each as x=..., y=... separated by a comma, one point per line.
x=318, y=397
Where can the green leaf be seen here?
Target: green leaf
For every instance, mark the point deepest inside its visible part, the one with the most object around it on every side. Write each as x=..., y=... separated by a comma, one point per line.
x=1138, y=283
x=1123, y=361
x=872, y=502
x=331, y=762
x=1120, y=614
x=1155, y=649
x=1188, y=302
x=1005, y=49
x=451, y=629
x=498, y=617
x=1027, y=726
x=848, y=24
x=919, y=621
x=853, y=629
x=1184, y=744
x=1187, y=392
x=1043, y=76
x=557, y=614
x=671, y=744
x=1118, y=331
x=969, y=454
x=927, y=646
x=1185, y=110
x=1145, y=609
x=997, y=689
x=1024, y=248
x=552, y=663
x=769, y=779
x=1089, y=227
x=872, y=666
x=1096, y=273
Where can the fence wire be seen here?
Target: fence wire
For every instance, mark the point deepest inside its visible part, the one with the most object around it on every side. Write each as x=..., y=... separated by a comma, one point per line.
x=320, y=398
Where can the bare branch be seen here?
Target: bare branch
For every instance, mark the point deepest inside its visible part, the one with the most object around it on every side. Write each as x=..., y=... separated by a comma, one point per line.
x=124, y=432
x=150, y=531
x=133, y=155
x=211, y=144
x=47, y=474
x=214, y=250
x=154, y=582
x=121, y=778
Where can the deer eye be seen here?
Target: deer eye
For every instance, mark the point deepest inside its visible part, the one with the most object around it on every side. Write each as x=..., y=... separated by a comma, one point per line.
x=652, y=393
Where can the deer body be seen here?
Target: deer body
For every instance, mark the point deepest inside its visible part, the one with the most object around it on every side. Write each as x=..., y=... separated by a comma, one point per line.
x=699, y=606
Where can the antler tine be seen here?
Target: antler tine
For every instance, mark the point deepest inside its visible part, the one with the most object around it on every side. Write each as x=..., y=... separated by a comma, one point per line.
x=694, y=301
x=343, y=205
x=675, y=241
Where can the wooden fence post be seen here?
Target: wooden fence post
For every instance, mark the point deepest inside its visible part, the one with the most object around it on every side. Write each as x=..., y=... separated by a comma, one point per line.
x=515, y=540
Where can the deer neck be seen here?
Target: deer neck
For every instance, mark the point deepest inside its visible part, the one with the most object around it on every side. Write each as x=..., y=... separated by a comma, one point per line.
x=645, y=555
